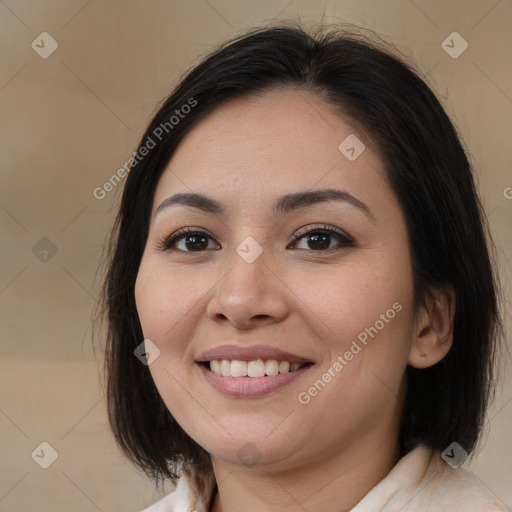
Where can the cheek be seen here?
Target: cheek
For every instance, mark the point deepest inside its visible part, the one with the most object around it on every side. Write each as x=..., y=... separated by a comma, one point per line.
x=363, y=322
x=170, y=306
x=159, y=298
x=361, y=316
x=148, y=299
x=167, y=316
x=160, y=303
x=346, y=301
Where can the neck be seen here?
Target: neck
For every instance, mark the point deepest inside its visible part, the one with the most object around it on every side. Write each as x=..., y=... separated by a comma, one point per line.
x=343, y=478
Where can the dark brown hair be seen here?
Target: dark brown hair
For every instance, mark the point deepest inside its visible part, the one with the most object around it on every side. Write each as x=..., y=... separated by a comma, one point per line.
x=427, y=169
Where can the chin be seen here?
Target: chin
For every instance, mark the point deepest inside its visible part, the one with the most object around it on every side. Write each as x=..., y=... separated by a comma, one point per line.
x=251, y=451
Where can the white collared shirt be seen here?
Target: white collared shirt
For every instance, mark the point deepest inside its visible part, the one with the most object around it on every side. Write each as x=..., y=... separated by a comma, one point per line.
x=421, y=481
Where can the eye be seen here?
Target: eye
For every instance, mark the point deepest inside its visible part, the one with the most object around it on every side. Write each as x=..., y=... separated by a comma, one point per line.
x=194, y=240
x=319, y=238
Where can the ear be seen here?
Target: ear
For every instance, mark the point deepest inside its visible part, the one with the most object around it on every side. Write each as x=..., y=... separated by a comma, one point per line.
x=433, y=334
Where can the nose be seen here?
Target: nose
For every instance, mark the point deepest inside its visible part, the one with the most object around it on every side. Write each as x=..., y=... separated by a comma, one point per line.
x=250, y=293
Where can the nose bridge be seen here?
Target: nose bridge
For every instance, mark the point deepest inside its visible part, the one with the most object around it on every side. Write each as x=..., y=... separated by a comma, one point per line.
x=248, y=273
x=249, y=288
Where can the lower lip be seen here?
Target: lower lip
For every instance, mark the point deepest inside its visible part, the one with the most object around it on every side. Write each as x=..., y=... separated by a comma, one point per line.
x=250, y=386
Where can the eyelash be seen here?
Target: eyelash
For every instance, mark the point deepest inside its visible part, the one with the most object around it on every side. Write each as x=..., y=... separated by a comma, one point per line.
x=345, y=241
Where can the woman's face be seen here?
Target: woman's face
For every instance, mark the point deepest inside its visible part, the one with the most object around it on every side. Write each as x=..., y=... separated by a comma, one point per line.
x=254, y=277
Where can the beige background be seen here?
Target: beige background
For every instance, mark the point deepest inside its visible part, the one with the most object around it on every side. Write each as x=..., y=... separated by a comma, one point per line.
x=71, y=120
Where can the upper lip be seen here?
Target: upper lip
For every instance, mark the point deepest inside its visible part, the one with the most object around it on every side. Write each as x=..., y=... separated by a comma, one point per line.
x=249, y=353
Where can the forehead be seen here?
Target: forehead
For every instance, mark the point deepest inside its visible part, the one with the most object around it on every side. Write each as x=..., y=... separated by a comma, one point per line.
x=256, y=149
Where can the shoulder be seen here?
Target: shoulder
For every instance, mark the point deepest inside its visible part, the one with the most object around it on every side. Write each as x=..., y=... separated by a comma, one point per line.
x=166, y=504
x=422, y=480
x=460, y=489
x=176, y=501
x=192, y=493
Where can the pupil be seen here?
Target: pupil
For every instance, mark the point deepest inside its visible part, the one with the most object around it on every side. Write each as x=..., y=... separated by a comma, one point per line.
x=194, y=246
x=324, y=242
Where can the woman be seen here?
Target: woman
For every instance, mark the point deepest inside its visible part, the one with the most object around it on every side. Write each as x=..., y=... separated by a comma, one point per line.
x=302, y=308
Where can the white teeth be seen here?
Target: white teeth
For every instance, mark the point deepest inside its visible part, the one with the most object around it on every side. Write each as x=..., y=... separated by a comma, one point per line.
x=238, y=369
x=271, y=367
x=215, y=366
x=225, y=368
x=284, y=367
x=256, y=368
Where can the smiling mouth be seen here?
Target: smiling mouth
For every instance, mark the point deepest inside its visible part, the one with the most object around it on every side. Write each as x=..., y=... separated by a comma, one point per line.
x=252, y=369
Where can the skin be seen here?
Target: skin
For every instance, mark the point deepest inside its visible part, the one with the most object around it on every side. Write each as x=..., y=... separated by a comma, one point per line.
x=309, y=301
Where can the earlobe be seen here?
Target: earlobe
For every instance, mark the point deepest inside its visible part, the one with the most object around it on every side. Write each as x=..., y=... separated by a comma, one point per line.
x=433, y=334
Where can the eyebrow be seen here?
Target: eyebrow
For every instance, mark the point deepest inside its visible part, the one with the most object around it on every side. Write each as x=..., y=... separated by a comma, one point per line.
x=284, y=205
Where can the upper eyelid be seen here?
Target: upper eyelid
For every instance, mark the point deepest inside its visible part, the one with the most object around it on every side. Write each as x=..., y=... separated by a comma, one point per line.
x=304, y=230
x=298, y=234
